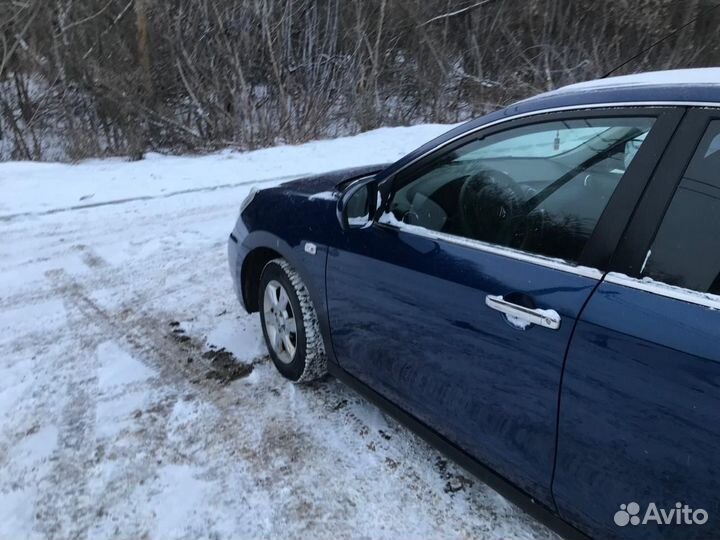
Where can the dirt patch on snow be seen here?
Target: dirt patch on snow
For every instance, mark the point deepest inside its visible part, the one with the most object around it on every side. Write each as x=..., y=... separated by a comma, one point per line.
x=225, y=367
x=220, y=364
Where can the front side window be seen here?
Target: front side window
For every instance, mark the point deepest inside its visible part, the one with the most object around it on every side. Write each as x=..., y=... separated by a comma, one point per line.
x=686, y=249
x=539, y=188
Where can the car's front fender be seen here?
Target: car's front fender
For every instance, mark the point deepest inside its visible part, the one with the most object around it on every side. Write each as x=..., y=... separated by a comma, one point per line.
x=307, y=257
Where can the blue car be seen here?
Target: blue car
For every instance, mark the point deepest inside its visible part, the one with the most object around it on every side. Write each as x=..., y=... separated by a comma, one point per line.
x=535, y=292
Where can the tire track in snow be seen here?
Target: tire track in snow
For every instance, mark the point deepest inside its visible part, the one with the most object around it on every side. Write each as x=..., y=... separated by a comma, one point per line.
x=80, y=451
x=148, y=340
x=76, y=423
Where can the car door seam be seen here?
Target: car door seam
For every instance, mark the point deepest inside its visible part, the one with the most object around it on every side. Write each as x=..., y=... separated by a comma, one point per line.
x=560, y=389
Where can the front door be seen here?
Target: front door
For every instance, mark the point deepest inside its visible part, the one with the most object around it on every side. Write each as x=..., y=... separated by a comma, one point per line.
x=459, y=303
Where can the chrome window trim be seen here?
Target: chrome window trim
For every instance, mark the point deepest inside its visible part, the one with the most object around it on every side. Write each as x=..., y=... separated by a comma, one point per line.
x=478, y=245
x=659, y=288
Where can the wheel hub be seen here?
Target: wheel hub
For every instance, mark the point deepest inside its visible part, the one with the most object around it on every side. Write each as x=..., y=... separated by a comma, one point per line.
x=280, y=323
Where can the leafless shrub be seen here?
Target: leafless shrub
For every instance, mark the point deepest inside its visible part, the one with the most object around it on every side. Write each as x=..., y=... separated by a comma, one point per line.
x=119, y=77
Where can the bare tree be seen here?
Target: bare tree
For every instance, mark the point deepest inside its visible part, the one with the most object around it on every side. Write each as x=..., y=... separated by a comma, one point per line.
x=86, y=77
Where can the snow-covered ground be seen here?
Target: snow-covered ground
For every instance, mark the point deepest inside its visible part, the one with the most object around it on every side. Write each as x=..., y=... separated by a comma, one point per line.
x=120, y=415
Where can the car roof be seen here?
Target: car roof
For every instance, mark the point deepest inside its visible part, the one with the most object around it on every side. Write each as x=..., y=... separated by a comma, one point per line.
x=669, y=77
x=684, y=86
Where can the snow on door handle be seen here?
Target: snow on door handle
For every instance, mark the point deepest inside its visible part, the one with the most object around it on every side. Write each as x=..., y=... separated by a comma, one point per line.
x=549, y=318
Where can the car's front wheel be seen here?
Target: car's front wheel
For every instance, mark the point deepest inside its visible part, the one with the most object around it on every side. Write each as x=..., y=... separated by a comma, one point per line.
x=290, y=324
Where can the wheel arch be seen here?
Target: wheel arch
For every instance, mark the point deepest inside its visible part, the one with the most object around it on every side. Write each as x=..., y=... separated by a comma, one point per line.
x=251, y=271
x=260, y=247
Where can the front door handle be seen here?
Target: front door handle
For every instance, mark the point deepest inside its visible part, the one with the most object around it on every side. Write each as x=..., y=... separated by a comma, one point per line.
x=549, y=318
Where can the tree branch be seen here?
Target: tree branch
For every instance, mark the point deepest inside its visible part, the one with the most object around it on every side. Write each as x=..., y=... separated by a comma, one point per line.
x=87, y=19
x=456, y=12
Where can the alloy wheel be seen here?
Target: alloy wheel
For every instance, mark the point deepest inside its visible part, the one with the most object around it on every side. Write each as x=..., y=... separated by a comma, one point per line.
x=280, y=323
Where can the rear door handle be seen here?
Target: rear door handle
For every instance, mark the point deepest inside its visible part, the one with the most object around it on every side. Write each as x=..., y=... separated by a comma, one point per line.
x=549, y=318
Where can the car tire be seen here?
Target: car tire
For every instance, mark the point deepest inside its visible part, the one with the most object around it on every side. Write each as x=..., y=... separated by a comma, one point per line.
x=290, y=324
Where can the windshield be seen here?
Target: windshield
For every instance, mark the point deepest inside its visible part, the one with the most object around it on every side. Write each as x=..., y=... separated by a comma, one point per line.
x=540, y=144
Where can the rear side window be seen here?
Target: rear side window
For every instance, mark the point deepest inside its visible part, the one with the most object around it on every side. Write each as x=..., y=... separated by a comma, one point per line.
x=686, y=249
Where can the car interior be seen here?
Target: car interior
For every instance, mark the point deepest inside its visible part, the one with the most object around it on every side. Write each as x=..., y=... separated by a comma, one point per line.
x=694, y=210
x=541, y=191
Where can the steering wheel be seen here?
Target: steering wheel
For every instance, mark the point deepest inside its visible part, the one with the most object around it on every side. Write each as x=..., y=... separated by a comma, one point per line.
x=489, y=202
x=537, y=225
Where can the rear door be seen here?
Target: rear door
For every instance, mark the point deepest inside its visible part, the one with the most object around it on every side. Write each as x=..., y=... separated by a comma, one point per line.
x=458, y=305
x=639, y=424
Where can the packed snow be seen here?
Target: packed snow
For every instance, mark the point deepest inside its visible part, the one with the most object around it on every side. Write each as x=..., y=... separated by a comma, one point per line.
x=136, y=396
x=646, y=283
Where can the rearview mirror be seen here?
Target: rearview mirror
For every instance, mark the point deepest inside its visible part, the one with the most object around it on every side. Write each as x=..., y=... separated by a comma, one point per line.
x=358, y=203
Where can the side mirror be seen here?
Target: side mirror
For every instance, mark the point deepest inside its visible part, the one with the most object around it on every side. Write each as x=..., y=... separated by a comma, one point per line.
x=358, y=204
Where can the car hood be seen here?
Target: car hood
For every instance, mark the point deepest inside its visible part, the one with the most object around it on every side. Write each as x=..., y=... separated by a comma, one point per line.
x=328, y=182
